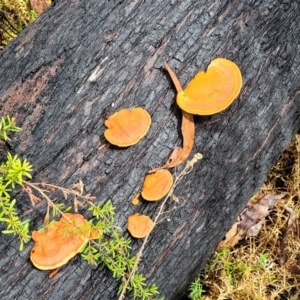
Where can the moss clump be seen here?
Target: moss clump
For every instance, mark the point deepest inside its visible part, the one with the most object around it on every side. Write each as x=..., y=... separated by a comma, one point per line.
x=15, y=15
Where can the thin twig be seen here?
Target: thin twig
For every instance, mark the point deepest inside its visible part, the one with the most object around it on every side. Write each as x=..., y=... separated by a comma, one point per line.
x=188, y=168
x=49, y=201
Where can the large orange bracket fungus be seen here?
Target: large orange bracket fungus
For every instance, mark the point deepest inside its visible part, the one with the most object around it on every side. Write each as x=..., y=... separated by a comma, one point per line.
x=208, y=93
x=126, y=128
x=212, y=91
x=139, y=225
x=157, y=185
x=60, y=241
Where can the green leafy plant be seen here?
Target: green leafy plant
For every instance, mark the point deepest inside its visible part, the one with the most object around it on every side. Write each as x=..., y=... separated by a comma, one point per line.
x=7, y=125
x=12, y=173
x=196, y=290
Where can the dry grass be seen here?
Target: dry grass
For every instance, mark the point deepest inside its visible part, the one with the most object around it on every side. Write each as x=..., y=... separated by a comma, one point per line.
x=266, y=266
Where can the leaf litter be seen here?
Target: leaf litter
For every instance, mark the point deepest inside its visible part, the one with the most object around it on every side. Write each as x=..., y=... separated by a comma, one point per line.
x=251, y=220
x=180, y=154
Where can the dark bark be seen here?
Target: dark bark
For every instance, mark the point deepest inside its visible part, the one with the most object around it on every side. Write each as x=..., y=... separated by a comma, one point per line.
x=60, y=79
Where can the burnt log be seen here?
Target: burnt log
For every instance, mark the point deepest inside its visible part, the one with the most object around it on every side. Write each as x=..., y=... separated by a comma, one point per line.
x=83, y=60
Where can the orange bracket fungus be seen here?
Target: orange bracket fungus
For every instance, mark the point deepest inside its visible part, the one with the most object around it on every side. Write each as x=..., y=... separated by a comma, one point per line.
x=212, y=91
x=208, y=93
x=60, y=241
x=126, y=128
x=157, y=185
x=139, y=225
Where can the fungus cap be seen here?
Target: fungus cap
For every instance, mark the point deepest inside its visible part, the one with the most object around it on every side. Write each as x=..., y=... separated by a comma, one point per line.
x=212, y=91
x=139, y=225
x=156, y=185
x=126, y=128
x=59, y=242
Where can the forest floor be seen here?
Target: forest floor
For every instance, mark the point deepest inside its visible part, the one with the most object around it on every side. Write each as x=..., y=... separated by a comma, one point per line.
x=262, y=261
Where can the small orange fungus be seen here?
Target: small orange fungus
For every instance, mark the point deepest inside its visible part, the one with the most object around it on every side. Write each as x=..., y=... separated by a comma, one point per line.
x=156, y=185
x=139, y=225
x=135, y=200
x=212, y=91
x=126, y=128
x=60, y=241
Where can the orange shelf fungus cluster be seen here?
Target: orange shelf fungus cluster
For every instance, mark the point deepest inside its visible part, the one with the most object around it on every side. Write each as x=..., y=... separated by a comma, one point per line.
x=208, y=93
x=155, y=187
x=126, y=128
x=60, y=241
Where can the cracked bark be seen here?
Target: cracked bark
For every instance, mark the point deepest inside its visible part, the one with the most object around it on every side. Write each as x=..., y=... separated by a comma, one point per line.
x=83, y=60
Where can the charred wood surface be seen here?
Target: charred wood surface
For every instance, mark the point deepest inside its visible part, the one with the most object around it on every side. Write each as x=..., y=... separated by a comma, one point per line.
x=83, y=60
